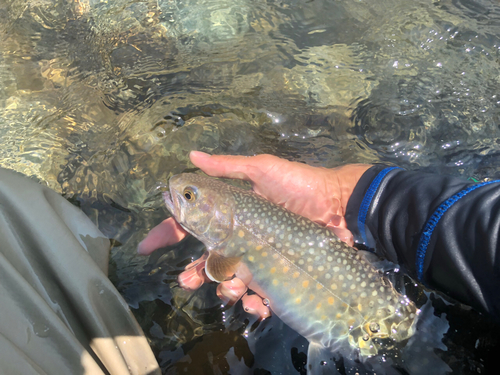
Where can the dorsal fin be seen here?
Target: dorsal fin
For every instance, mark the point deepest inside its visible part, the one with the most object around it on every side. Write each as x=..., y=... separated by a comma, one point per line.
x=220, y=268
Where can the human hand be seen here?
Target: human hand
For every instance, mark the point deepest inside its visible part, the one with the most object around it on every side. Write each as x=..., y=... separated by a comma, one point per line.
x=319, y=194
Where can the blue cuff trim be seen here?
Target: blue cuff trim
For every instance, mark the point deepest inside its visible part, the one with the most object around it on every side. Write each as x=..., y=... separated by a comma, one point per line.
x=433, y=221
x=367, y=200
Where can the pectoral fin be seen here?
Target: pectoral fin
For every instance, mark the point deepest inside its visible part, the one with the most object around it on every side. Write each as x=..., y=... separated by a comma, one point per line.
x=220, y=268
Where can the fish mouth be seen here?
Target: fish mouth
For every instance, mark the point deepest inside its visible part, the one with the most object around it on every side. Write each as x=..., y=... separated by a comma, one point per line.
x=169, y=202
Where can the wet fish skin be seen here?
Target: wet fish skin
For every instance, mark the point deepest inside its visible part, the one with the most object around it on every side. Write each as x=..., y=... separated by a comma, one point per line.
x=317, y=284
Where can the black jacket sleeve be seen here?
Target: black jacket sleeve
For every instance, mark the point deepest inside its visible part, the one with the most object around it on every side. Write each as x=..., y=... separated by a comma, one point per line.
x=442, y=230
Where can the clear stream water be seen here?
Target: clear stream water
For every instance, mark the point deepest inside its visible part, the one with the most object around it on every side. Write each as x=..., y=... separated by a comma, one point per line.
x=102, y=100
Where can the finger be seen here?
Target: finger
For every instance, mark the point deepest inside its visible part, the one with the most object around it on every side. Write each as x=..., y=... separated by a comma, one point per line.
x=190, y=279
x=194, y=276
x=231, y=291
x=196, y=262
x=229, y=166
x=343, y=234
x=164, y=234
x=254, y=305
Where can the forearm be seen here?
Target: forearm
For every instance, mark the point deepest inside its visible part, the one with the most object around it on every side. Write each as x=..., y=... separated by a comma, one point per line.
x=443, y=230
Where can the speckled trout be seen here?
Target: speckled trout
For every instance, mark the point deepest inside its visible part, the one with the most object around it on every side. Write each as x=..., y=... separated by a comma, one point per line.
x=317, y=284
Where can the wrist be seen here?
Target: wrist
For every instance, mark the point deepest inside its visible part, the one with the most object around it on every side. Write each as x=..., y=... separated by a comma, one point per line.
x=347, y=177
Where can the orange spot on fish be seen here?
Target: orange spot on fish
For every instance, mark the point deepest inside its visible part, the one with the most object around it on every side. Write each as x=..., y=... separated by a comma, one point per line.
x=297, y=300
x=292, y=291
x=338, y=316
x=311, y=297
x=241, y=234
x=285, y=269
x=296, y=274
x=319, y=286
x=273, y=270
x=275, y=282
x=305, y=284
x=318, y=306
x=258, y=248
x=351, y=322
x=360, y=307
x=323, y=317
x=264, y=254
x=331, y=300
x=261, y=266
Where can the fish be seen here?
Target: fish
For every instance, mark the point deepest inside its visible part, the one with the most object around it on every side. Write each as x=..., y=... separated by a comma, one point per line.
x=316, y=284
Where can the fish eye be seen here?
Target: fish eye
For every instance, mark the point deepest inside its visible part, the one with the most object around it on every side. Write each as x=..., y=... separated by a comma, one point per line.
x=189, y=194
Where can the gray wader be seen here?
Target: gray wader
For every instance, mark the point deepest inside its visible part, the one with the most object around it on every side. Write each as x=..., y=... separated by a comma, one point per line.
x=59, y=313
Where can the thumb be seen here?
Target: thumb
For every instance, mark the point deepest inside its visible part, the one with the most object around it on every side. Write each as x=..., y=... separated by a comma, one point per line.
x=228, y=166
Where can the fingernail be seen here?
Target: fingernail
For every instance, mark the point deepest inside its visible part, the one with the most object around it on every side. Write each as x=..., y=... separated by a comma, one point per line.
x=140, y=250
x=199, y=154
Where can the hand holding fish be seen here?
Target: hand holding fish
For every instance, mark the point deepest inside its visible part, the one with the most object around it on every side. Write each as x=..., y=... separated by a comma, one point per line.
x=319, y=194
